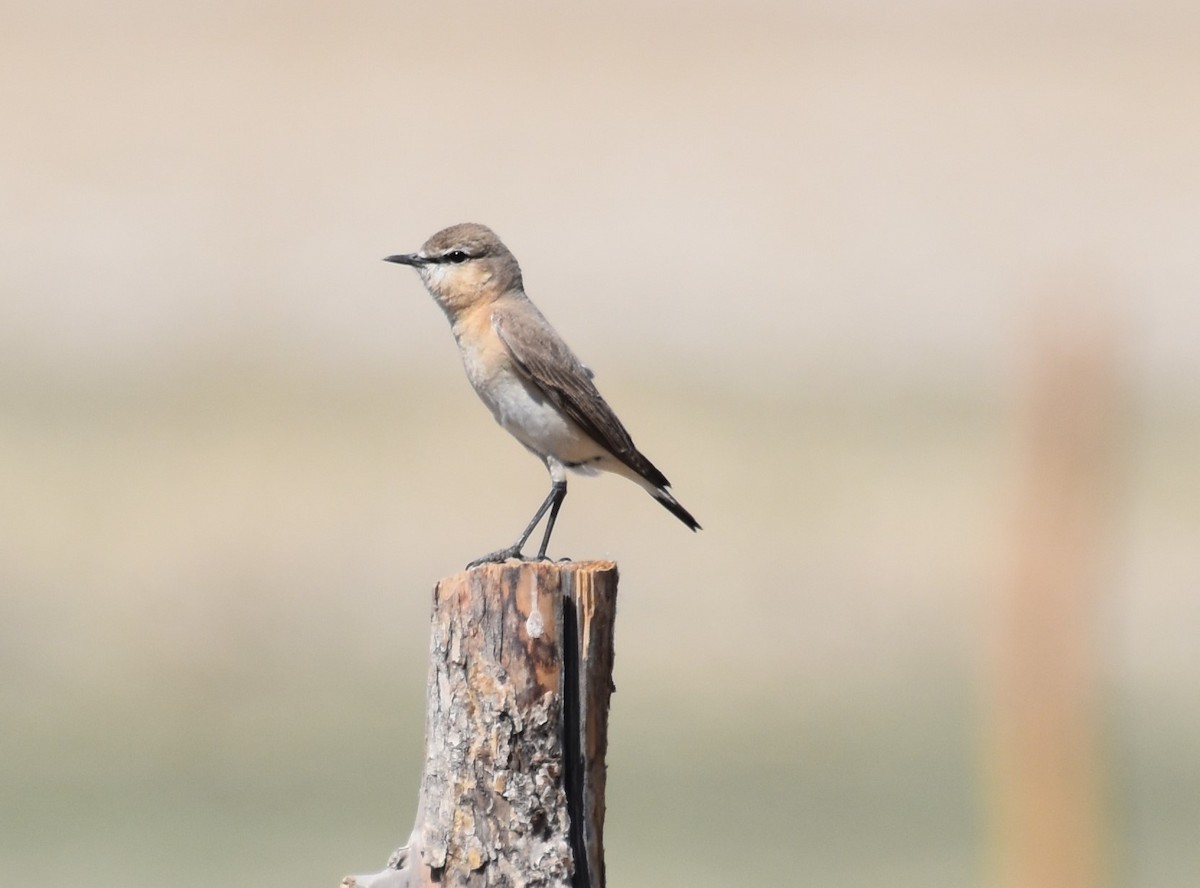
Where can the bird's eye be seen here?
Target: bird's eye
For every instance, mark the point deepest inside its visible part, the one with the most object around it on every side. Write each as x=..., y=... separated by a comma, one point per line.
x=457, y=256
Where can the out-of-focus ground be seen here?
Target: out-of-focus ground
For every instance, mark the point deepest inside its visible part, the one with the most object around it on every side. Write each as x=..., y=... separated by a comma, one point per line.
x=804, y=247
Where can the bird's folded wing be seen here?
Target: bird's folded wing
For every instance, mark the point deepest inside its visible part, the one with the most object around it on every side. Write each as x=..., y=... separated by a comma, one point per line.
x=550, y=364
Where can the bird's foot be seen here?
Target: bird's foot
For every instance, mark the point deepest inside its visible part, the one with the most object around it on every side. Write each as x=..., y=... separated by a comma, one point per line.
x=498, y=556
x=514, y=553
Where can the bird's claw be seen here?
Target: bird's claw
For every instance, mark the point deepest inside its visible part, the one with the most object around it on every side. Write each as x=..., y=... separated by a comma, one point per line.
x=497, y=557
x=513, y=553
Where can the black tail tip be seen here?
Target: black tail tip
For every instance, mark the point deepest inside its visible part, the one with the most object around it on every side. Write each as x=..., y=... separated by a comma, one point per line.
x=672, y=505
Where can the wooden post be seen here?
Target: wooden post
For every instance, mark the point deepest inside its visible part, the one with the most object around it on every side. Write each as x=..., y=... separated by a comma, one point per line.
x=516, y=728
x=1045, y=750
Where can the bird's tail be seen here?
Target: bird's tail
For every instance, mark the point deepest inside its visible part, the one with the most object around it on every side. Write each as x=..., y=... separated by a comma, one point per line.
x=672, y=505
x=641, y=471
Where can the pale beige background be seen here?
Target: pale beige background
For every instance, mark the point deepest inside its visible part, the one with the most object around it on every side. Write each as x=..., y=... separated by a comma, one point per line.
x=800, y=243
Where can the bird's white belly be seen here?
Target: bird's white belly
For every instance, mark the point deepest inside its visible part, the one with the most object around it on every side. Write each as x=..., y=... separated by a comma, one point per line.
x=533, y=419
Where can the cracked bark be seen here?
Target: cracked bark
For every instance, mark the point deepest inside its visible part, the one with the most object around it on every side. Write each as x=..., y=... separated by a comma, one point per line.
x=520, y=675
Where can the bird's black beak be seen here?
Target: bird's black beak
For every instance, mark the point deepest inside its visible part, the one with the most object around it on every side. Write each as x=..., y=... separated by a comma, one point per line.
x=414, y=259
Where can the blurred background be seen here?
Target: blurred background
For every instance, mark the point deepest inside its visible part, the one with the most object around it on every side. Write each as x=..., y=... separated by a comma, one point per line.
x=902, y=298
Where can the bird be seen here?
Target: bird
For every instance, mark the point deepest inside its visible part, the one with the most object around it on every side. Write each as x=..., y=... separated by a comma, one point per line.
x=526, y=374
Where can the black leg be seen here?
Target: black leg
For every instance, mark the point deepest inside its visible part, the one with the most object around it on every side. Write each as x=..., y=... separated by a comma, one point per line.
x=559, y=492
x=554, y=498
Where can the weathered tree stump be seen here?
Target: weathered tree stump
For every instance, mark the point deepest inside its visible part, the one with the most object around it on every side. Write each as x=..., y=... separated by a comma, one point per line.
x=516, y=729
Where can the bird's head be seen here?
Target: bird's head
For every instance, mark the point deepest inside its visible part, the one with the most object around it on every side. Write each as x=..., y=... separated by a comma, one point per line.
x=464, y=265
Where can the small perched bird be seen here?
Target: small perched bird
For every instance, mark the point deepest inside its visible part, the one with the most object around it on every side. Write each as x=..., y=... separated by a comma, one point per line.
x=527, y=376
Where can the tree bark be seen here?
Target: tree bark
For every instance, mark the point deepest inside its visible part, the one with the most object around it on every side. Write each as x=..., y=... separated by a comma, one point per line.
x=516, y=731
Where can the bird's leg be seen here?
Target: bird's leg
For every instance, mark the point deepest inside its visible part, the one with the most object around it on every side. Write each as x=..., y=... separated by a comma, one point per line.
x=557, y=491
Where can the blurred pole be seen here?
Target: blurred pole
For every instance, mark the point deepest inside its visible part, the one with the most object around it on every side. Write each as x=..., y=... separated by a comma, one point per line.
x=1048, y=813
